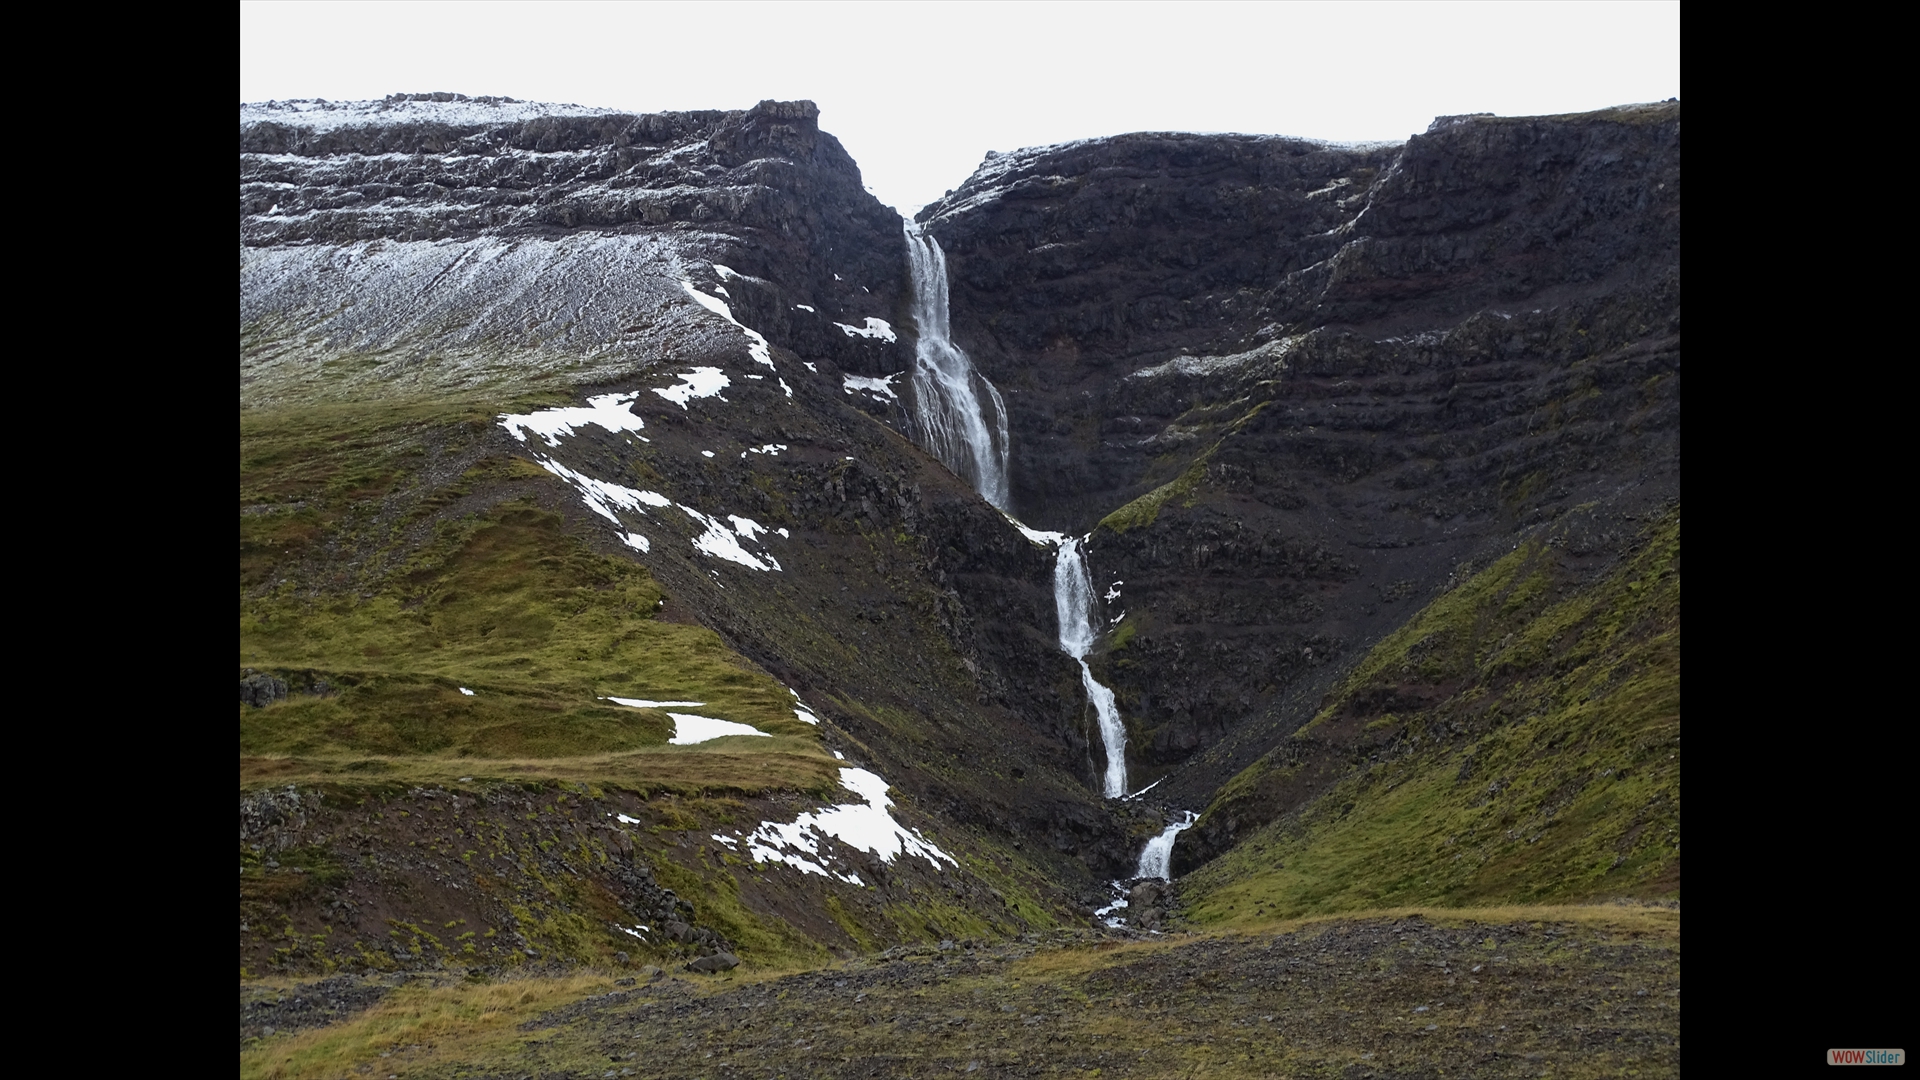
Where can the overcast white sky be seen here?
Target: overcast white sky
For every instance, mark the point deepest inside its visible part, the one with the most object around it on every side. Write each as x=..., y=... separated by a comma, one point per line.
x=918, y=92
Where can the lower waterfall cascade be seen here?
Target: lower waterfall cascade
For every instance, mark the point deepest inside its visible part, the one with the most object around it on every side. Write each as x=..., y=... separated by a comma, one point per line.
x=1156, y=859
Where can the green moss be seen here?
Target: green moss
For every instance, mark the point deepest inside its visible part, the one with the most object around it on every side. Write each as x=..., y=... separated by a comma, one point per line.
x=1550, y=773
x=1145, y=510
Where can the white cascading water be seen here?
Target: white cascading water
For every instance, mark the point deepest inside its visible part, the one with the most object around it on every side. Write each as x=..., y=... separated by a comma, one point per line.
x=954, y=427
x=1073, y=602
x=947, y=403
x=1156, y=859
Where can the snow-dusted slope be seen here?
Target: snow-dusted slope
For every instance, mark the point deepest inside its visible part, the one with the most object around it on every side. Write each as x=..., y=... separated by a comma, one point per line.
x=436, y=242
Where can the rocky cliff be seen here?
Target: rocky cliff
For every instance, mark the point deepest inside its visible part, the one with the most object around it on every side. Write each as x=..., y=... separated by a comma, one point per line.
x=1295, y=389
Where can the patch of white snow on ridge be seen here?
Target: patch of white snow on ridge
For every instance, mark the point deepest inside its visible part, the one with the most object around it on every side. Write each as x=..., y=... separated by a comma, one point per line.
x=759, y=349
x=602, y=497
x=800, y=708
x=689, y=729
x=868, y=826
x=1113, y=590
x=706, y=453
x=625, y=820
x=746, y=527
x=698, y=383
x=770, y=449
x=1044, y=539
x=875, y=387
x=610, y=411
x=719, y=542
x=805, y=307
x=643, y=703
x=466, y=691
x=784, y=386
x=320, y=115
x=635, y=540
x=875, y=328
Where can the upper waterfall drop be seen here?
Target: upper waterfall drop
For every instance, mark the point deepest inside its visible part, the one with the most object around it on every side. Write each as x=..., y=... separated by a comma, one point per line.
x=947, y=407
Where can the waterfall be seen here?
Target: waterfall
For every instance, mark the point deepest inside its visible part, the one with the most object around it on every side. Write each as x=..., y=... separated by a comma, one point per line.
x=1073, y=602
x=1156, y=859
x=954, y=426
x=947, y=406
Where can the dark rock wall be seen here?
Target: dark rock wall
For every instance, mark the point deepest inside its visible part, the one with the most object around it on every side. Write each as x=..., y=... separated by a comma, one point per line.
x=1338, y=374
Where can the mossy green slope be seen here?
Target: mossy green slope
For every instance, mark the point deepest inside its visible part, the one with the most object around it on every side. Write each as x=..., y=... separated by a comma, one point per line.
x=456, y=617
x=1516, y=742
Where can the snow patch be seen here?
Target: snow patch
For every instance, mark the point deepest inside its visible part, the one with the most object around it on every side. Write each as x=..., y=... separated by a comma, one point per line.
x=759, y=349
x=602, y=497
x=874, y=328
x=466, y=691
x=689, y=729
x=625, y=820
x=638, y=542
x=719, y=542
x=874, y=387
x=609, y=411
x=698, y=383
x=1044, y=539
x=868, y=826
x=643, y=703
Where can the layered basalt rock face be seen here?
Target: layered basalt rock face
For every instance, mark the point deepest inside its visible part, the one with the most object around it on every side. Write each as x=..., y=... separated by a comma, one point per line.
x=1294, y=388
x=443, y=243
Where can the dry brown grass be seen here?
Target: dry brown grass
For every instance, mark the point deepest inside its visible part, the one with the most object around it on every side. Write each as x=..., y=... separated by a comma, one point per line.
x=418, y=1026
x=777, y=764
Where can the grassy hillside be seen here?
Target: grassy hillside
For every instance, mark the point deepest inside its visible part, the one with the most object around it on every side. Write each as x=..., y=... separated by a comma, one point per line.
x=1518, y=741
x=442, y=782
x=457, y=626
